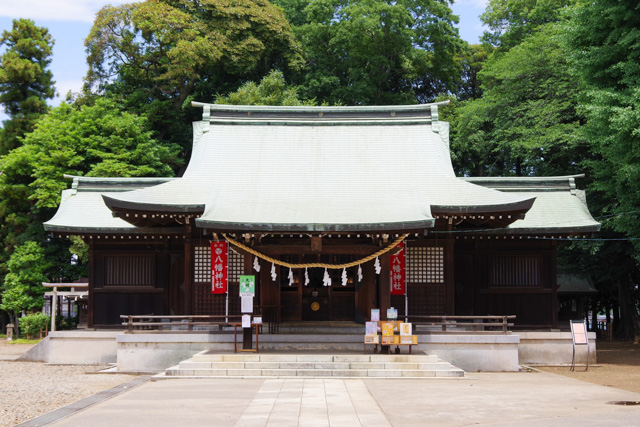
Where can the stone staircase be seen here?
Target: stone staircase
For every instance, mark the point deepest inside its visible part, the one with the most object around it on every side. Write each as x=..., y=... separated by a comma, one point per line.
x=309, y=365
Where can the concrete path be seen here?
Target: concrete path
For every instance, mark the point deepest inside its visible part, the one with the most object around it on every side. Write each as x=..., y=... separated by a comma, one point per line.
x=522, y=399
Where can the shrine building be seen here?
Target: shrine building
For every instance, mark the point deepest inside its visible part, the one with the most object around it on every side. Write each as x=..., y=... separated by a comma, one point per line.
x=344, y=189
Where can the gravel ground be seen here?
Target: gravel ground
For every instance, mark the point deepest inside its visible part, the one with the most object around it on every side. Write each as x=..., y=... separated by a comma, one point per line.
x=30, y=389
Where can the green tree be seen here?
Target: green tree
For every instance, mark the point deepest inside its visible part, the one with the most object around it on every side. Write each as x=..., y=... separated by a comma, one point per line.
x=272, y=90
x=526, y=121
x=376, y=51
x=511, y=21
x=23, y=290
x=471, y=60
x=98, y=140
x=156, y=55
x=604, y=39
x=25, y=81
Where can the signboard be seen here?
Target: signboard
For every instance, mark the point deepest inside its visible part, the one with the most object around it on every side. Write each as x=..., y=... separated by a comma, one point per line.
x=218, y=267
x=247, y=286
x=246, y=321
x=246, y=304
x=371, y=328
x=579, y=333
x=397, y=270
x=405, y=329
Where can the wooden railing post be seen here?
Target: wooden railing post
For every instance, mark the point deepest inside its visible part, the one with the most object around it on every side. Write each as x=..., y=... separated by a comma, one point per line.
x=130, y=325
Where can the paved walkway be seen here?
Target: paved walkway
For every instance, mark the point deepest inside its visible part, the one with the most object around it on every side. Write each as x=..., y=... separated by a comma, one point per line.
x=522, y=399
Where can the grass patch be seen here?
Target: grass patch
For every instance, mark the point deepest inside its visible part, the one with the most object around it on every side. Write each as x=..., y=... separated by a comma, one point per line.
x=23, y=341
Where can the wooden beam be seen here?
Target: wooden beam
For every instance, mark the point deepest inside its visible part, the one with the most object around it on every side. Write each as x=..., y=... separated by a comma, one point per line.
x=316, y=243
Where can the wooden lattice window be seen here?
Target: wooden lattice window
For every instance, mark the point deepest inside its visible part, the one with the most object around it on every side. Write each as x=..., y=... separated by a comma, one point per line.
x=202, y=264
x=425, y=264
x=514, y=271
x=130, y=271
x=204, y=301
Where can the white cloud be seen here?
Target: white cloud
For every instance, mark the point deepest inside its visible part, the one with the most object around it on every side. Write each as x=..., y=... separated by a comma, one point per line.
x=55, y=10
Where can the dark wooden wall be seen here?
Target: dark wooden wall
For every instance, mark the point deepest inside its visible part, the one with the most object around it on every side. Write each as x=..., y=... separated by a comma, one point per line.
x=134, y=278
x=498, y=277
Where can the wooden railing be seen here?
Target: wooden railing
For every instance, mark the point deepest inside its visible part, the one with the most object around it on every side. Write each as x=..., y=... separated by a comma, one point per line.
x=169, y=322
x=466, y=324
x=271, y=317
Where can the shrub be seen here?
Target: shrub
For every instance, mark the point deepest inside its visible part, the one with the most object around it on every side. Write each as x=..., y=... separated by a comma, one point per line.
x=33, y=323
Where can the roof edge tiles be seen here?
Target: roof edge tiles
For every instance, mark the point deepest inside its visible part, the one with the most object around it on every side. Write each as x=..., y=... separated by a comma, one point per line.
x=113, y=184
x=117, y=205
x=516, y=207
x=75, y=230
x=521, y=184
x=314, y=227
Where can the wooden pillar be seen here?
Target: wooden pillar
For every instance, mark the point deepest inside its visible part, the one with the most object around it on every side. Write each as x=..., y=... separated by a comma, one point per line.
x=188, y=276
x=553, y=279
x=366, y=293
x=384, y=279
x=92, y=279
x=449, y=267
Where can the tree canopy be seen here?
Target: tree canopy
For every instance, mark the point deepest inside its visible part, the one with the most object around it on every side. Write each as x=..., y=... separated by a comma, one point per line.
x=603, y=38
x=25, y=80
x=157, y=54
x=98, y=140
x=512, y=21
x=526, y=121
x=272, y=90
x=376, y=51
x=22, y=288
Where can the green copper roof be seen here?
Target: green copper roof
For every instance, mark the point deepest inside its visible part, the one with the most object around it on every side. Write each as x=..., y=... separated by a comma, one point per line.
x=372, y=169
x=559, y=207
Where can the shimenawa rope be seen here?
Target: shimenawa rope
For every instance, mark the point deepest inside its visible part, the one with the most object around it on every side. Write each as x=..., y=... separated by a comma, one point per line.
x=316, y=264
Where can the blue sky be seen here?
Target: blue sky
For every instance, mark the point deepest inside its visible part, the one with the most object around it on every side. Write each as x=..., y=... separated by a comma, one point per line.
x=69, y=22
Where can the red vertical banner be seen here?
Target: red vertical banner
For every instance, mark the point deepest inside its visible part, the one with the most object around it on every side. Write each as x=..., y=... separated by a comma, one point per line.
x=218, y=267
x=397, y=270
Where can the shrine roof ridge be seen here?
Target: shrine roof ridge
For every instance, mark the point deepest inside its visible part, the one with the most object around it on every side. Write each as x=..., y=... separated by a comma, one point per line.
x=527, y=183
x=319, y=109
x=320, y=115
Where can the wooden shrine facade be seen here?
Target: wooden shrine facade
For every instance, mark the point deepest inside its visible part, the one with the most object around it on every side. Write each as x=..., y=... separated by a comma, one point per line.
x=450, y=276
x=330, y=185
